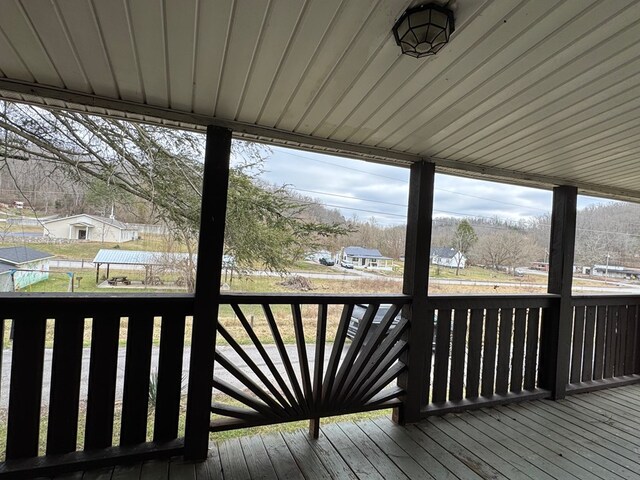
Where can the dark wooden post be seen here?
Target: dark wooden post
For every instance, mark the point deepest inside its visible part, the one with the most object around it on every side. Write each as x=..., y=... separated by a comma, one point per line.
x=416, y=278
x=555, y=341
x=215, y=185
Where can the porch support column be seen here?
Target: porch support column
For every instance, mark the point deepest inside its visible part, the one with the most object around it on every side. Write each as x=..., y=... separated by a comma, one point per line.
x=215, y=185
x=416, y=279
x=555, y=341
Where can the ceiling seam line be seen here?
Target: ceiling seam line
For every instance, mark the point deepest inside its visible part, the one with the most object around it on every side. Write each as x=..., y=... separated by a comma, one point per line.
x=323, y=37
x=223, y=60
x=267, y=15
x=335, y=67
x=465, y=78
x=546, y=125
x=457, y=61
x=134, y=49
x=492, y=78
x=506, y=101
x=112, y=72
x=540, y=108
x=31, y=27
x=283, y=58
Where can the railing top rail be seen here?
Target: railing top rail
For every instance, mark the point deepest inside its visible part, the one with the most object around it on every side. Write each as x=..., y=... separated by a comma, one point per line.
x=50, y=305
x=313, y=298
x=491, y=301
x=603, y=299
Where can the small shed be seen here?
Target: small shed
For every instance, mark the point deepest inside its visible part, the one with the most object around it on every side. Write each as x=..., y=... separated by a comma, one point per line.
x=22, y=266
x=90, y=227
x=138, y=259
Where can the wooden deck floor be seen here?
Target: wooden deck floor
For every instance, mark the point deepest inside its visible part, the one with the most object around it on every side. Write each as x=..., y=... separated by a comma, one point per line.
x=588, y=436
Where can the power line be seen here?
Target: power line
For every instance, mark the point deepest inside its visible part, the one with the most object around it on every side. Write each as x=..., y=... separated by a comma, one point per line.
x=347, y=197
x=405, y=182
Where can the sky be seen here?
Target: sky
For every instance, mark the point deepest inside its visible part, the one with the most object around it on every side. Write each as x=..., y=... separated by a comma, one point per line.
x=366, y=189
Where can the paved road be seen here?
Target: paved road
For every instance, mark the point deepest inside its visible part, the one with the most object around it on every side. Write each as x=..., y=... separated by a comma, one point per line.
x=221, y=372
x=339, y=273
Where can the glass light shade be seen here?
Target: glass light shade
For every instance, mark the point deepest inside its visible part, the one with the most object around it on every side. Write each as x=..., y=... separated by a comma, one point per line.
x=424, y=30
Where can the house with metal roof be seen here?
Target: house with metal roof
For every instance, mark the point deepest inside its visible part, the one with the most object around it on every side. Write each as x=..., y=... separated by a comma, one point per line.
x=447, y=257
x=21, y=267
x=369, y=258
x=90, y=227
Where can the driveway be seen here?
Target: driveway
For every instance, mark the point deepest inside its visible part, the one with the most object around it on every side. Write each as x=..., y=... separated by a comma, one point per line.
x=220, y=372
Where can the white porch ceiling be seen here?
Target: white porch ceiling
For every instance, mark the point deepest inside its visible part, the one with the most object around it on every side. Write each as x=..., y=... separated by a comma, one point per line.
x=534, y=91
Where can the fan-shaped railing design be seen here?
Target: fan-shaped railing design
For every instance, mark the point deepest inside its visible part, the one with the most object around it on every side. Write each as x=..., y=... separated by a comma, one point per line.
x=351, y=367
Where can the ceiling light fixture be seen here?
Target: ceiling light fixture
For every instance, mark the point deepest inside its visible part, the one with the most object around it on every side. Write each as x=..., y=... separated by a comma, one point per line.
x=424, y=30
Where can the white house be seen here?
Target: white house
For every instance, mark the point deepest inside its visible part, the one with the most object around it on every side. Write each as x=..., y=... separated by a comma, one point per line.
x=90, y=227
x=369, y=258
x=447, y=257
x=21, y=267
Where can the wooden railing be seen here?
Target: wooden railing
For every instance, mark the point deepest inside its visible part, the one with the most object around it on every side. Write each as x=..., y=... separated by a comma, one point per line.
x=302, y=362
x=604, y=342
x=37, y=318
x=485, y=350
x=323, y=371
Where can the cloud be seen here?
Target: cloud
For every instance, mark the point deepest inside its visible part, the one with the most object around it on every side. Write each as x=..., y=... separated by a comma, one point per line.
x=366, y=189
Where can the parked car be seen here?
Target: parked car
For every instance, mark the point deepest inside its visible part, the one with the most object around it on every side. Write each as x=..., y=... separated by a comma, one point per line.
x=358, y=313
x=345, y=264
x=327, y=262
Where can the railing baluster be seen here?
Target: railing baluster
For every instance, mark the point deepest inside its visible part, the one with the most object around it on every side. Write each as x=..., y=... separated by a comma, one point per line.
x=630, y=339
x=302, y=353
x=135, y=395
x=367, y=352
x=475, y=353
x=249, y=383
x=601, y=333
x=589, y=330
x=336, y=351
x=578, y=343
x=458, y=344
x=286, y=362
x=610, y=347
x=621, y=340
x=354, y=349
x=318, y=368
x=65, y=384
x=517, y=359
x=372, y=368
x=373, y=382
x=636, y=345
x=169, y=379
x=25, y=393
x=429, y=328
x=504, y=350
x=441, y=367
x=258, y=405
x=102, y=381
x=253, y=366
x=265, y=357
x=489, y=355
x=533, y=341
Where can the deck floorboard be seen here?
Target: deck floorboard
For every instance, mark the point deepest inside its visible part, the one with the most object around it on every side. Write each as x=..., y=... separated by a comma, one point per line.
x=586, y=436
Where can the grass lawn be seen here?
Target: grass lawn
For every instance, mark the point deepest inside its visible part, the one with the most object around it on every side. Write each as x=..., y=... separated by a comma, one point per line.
x=84, y=250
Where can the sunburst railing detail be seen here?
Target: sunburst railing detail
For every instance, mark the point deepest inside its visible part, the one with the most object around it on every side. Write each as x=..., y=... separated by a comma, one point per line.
x=314, y=373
